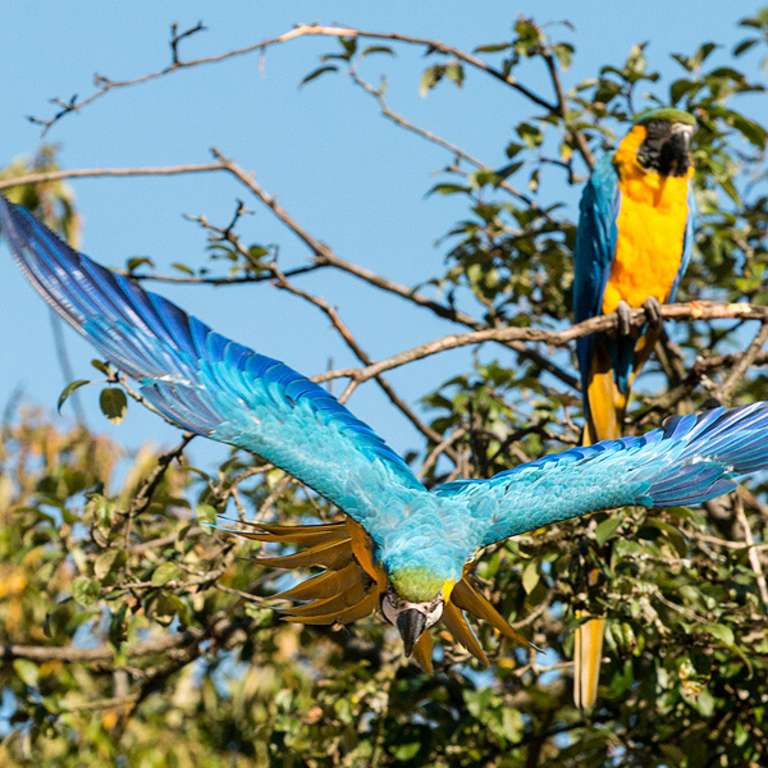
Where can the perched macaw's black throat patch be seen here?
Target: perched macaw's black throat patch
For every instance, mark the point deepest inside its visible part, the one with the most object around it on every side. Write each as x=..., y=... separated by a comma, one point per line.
x=666, y=148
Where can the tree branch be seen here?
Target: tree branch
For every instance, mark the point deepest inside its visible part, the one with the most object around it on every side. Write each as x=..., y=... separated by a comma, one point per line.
x=92, y=173
x=601, y=323
x=325, y=255
x=105, y=85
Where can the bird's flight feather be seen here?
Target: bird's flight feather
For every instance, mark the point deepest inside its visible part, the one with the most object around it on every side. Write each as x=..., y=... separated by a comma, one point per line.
x=203, y=382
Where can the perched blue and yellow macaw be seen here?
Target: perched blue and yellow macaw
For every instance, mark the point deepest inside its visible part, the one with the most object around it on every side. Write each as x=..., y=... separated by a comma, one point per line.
x=633, y=244
x=403, y=548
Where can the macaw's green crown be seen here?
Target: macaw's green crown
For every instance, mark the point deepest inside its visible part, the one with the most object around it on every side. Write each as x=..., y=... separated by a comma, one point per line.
x=417, y=584
x=670, y=114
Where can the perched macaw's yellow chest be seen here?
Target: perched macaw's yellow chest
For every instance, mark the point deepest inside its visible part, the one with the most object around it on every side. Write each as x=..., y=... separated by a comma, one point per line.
x=650, y=229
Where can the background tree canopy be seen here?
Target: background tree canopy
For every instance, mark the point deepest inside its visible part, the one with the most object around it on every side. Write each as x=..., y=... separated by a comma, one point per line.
x=133, y=632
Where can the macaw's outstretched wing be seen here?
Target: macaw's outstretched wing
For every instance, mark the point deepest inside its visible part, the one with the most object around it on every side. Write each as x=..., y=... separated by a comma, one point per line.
x=690, y=460
x=595, y=250
x=210, y=385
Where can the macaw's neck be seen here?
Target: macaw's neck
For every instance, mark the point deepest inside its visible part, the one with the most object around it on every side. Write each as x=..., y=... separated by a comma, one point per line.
x=417, y=584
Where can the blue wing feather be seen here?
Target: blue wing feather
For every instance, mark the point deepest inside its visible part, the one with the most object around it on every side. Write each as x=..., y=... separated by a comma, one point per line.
x=690, y=460
x=595, y=250
x=206, y=383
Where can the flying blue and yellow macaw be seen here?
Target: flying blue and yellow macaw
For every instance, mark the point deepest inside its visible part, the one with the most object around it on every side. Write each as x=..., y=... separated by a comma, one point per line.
x=633, y=244
x=402, y=548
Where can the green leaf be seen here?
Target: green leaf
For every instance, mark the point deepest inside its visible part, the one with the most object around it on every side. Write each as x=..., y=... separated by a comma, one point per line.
x=104, y=563
x=455, y=72
x=448, y=189
x=27, y=671
x=315, y=73
x=492, y=47
x=530, y=577
x=405, y=752
x=165, y=573
x=101, y=366
x=113, y=404
x=135, y=262
x=430, y=78
x=85, y=591
x=206, y=513
x=607, y=528
x=177, y=265
x=721, y=632
x=744, y=45
x=377, y=49
x=68, y=390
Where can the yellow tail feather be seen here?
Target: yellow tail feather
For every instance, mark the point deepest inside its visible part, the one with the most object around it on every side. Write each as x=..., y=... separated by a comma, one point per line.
x=587, y=656
x=465, y=596
x=458, y=627
x=422, y=652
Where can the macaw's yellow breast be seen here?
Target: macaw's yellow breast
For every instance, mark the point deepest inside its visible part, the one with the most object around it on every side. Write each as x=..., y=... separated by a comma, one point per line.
x=650, y=229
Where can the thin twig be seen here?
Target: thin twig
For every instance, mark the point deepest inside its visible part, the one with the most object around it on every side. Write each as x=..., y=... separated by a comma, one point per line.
x=92, y=173
x=324, y=254
x=105, y=85
x=752, y=554
x=402, y=122
x=332, y=314
x=743, y=364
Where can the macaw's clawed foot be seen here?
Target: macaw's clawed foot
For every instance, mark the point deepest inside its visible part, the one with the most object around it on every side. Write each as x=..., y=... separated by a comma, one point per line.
x=652, y=307
x=624, y=317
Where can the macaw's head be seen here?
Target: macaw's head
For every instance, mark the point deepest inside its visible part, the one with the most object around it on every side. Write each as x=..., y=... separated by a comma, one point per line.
x=414, y=602
x=666, y=146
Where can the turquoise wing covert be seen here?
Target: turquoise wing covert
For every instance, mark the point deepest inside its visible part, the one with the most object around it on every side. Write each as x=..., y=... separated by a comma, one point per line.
x=205, y=383
x=690, y=460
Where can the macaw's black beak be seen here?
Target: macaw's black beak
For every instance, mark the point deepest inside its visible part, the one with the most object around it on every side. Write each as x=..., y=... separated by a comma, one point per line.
x=410, y=624
x=676, y=154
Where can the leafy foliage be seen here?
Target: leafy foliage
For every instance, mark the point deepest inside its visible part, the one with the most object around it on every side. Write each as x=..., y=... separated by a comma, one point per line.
x=133, y=630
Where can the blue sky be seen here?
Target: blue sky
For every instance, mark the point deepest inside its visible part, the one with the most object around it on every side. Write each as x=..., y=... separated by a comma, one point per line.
x=348, y=176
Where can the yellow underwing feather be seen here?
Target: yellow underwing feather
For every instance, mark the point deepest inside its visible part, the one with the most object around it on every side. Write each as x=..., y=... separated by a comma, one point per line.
x=361, y=548
x=458, y=627
x=465, y=596
x=366, y=605
x=422, y=652
x=334, y=555
x=325, y=584
x=286, y=530
x=302, y=538
x=340, y=601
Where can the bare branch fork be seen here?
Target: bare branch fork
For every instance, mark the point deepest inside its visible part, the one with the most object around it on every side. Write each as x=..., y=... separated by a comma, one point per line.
x=105, y=84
